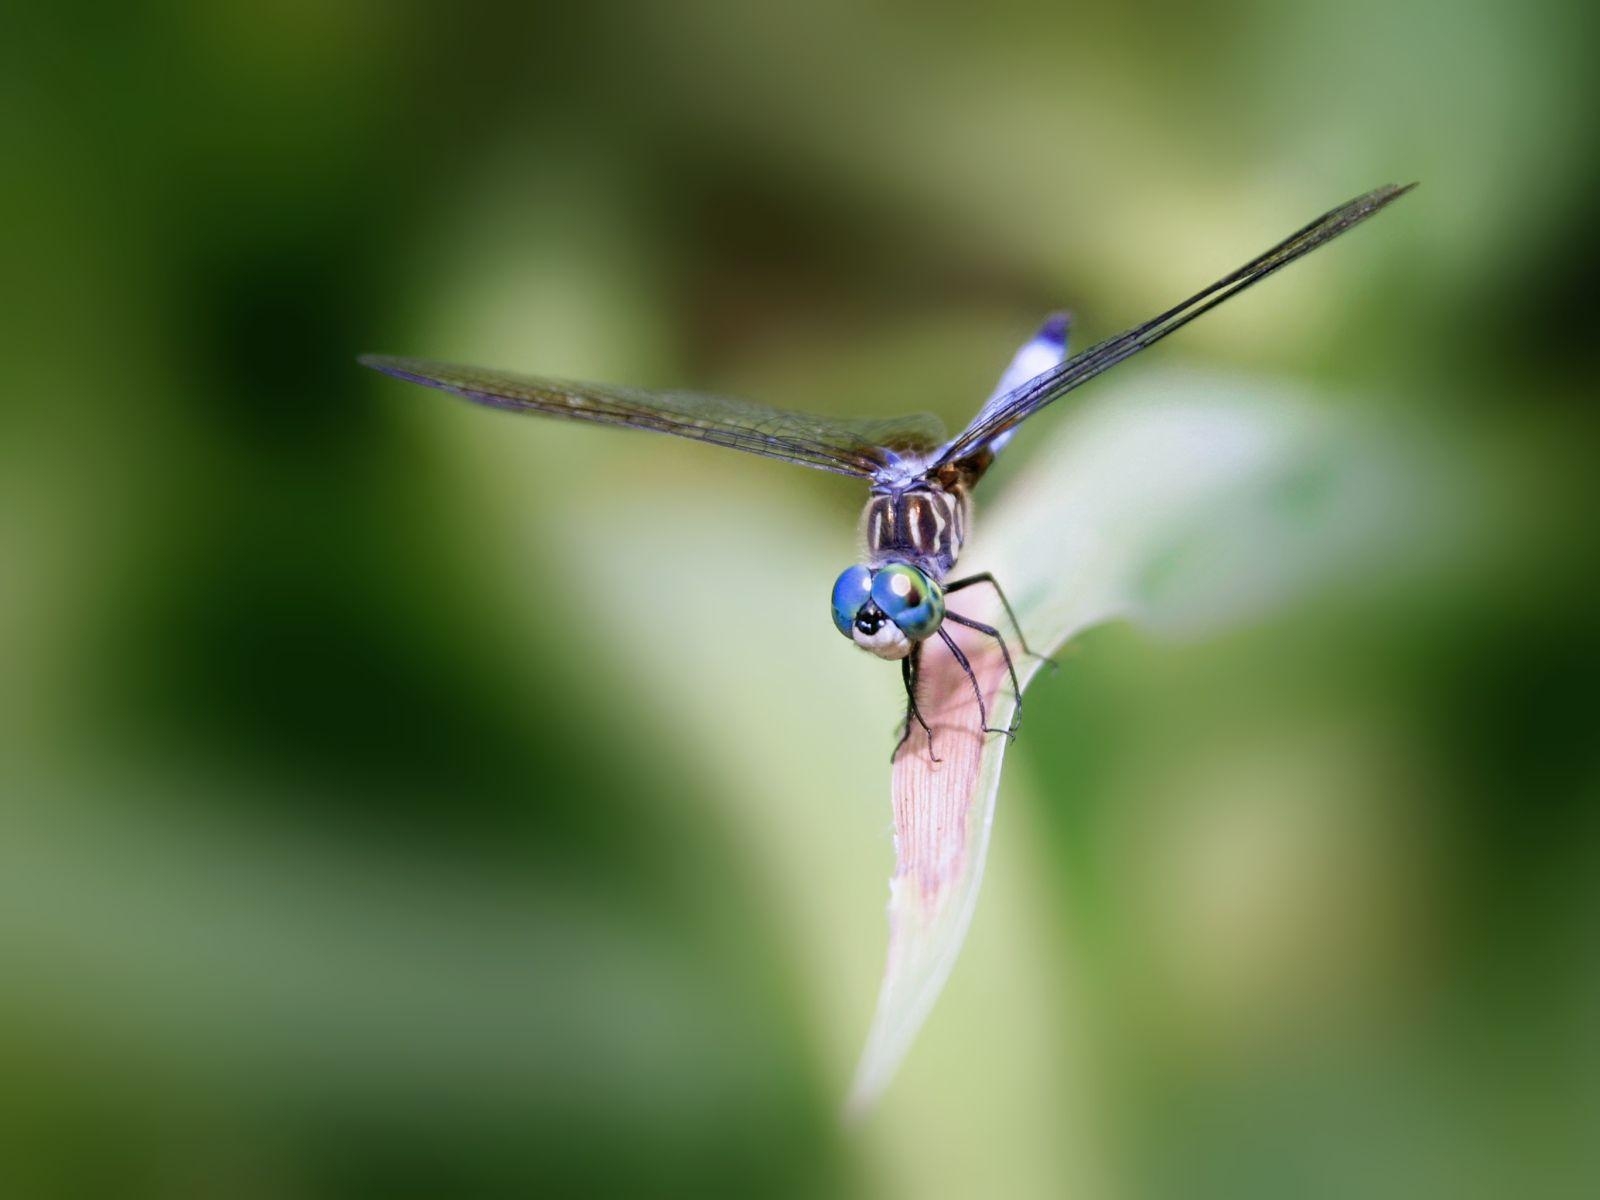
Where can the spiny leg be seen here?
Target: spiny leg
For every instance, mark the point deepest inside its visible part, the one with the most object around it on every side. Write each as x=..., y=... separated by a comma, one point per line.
x=986, y=577
x=991, y=631
x=983, y=710
x=910, y=667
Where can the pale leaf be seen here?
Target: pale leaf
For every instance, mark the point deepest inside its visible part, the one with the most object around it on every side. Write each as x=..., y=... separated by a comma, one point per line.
x=1177, y=501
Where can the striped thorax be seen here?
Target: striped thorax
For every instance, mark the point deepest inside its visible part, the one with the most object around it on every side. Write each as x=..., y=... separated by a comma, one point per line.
x=923, y=524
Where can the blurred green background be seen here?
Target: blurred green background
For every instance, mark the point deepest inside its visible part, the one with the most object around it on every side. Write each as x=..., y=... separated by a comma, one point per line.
x=403, y=799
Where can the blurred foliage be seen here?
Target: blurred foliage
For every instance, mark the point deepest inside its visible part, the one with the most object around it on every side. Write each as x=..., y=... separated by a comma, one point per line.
x=379, y=814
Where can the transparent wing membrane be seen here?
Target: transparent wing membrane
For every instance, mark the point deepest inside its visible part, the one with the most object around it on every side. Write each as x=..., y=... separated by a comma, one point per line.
x=1005, y=412
x=847, y=447
x=868, y=448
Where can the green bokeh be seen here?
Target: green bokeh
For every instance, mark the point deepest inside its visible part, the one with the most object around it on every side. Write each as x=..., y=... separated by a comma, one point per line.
x=357, y=838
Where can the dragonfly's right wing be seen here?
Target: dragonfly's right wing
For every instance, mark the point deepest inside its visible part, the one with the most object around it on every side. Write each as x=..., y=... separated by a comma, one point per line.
x=861, y=447
x=1005, y=412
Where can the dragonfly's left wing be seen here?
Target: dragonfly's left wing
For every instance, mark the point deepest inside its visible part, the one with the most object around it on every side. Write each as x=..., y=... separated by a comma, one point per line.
x=861, y=447
x=1005, y=412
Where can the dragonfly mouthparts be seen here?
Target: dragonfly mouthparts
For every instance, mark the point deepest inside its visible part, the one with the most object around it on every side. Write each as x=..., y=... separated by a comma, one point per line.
x=870, y=619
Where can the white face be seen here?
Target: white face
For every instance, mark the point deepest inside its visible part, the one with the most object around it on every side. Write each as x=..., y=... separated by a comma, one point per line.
x=888, y=642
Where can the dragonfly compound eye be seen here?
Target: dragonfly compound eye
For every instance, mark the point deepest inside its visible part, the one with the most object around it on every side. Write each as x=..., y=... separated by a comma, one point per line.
x=851, y=591
x=910, y=599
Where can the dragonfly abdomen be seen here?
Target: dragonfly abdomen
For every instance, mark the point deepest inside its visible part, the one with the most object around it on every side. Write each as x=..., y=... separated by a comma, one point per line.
x=924, y=525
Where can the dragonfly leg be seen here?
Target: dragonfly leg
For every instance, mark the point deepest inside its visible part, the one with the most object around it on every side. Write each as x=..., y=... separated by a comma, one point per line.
x=986, y=577
x=909, y=667
x=983, y=711
x=991, y=631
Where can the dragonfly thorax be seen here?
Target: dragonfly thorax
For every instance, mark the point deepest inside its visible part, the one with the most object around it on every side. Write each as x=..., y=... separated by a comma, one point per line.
x=924, y=524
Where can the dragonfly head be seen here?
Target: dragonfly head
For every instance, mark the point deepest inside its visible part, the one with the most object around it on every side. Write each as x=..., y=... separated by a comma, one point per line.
x=889, y=609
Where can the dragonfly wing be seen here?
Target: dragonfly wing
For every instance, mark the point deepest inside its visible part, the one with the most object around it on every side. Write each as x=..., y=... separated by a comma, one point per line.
x=1006, y=412
x=848, y=447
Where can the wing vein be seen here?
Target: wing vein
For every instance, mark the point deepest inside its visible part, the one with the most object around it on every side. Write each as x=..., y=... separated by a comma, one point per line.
x=858, y=448
x=1011, y=409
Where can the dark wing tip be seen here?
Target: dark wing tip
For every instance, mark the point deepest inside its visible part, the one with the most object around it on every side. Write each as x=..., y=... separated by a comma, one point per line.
x=1353, y=212
x=411, y=370
x=1387, y=194
x=386, y=363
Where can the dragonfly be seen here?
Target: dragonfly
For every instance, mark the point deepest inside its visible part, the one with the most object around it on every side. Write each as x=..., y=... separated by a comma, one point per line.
x=919, y=509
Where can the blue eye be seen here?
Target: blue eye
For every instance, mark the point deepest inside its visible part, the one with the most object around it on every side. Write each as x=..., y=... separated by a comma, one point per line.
x=910, y=599
x=851, y=591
